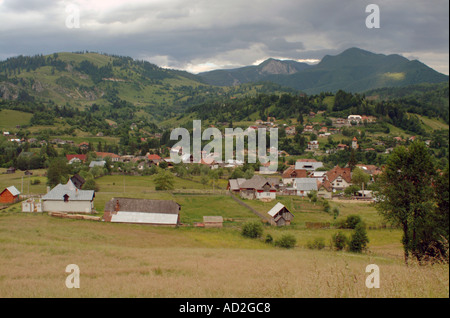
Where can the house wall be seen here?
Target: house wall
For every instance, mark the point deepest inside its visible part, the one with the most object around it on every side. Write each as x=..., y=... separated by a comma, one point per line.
x=31, y=206
x=248, y=194
x=7, y=197
x=71, y=206
x=339, y=184
x=266, y=195
x=324, y=194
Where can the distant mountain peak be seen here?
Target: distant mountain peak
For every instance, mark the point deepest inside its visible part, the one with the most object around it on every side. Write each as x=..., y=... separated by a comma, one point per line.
x=274, y=66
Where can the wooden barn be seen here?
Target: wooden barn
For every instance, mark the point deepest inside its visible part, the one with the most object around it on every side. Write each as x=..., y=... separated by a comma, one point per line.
x=142, y=211
x=280, y=215
x=9, y=195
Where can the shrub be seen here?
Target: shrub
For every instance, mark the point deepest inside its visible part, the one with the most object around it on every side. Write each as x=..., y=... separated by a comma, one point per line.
x=252, y=229
x=286, y=241
x=335, y=212
x=269, y=239
x=326, y=206
x=340, y=241
x=359, y=239
x=352, y=221
x=318, y=243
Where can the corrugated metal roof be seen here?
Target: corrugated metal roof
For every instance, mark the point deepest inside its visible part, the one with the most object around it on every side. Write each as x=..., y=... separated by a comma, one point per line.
x=305, y=184
x=142, y=205
x=144, y=217
x=58, y=193
x=13, y=190
x=275, y=209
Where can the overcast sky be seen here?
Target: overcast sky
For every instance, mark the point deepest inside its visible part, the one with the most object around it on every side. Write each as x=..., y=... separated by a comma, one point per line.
x=200, y=35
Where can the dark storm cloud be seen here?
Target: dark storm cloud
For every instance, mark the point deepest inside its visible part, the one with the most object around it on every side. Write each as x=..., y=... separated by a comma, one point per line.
x=211, y=33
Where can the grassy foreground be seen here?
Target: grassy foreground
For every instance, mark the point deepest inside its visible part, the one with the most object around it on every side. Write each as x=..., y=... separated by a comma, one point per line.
x=123, y=260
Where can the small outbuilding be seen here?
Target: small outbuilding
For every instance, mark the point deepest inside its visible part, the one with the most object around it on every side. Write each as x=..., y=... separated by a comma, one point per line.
x=280, y=215
x=142, y=211
x=213, y=221
x=9, y=195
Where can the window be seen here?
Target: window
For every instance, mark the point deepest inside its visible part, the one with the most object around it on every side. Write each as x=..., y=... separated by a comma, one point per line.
x=66, y=198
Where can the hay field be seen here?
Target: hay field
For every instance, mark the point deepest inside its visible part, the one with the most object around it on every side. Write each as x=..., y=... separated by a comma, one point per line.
x=123, y=260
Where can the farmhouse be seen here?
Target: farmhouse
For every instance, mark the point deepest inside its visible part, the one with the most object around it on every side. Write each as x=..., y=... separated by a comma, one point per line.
x=68, y=198
x=324, y=189
x=339, y=178
x=313, y=144
x=234, y=185
x=291, y=173
x=9, y=195
x=303, y=186
x=280, y=215
x=142, y=211
x=257, y=188
x=308, y=164
x=75, y=158
x=103, y=155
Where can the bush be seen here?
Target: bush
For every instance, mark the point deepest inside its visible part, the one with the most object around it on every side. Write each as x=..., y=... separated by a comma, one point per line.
x=252, y=230
x=326, y=206
x=318, y=244
x=352, y=221
x=359, y=239
x=269, y=239
x=340, y=241
x=286, y=241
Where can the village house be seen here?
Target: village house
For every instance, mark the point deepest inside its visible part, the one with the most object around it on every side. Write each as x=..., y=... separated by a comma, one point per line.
x=280, y=215
x=303, y=186
x=308, y=129
x=339, y=122
x=354, y=119
x=234, y=185
x=308, y=164
x=11, y=170
x=339, y=178
x=290, y=130
x=103, y=155
x=75, y=158
x=324, y=189
x=68, y=198
x=9, y=195
x=84, y=146
x=313, y=145
x=291, y=173
x=142, y=211
x=99, y=163
x=154, y=159
x=258, y=188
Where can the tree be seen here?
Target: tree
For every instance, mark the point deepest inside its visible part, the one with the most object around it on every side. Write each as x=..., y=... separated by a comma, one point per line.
x=90, y=184
x=359, y=177
x=340, y=241
x=164, y=180
x=358, y=241
x=57, y=172
x=406, y=194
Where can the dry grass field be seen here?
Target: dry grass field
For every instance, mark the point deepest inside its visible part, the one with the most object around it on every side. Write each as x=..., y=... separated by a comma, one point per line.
x=123, y=260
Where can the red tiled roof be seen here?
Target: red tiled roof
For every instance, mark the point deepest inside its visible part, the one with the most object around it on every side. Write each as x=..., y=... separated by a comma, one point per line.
x=106, y=154
x=81, y=157
x=291, y=172
x=337, y=171
x=154, y=157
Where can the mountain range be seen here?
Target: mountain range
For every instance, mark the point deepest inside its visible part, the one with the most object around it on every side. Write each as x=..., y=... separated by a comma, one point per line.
x=354, y=70
x=82, y=78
